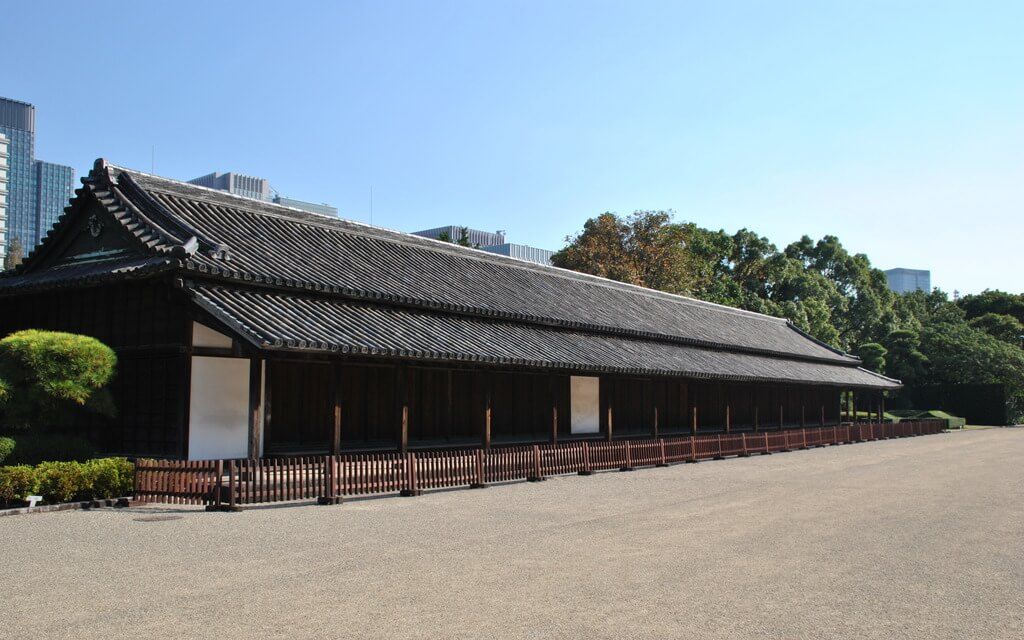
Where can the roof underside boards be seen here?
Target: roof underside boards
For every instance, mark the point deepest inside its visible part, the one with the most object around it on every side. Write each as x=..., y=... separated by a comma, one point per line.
x=264, y=241
x=278, y=320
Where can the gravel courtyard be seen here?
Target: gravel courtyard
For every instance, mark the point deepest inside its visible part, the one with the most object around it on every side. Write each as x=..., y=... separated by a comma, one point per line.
x=913, y=538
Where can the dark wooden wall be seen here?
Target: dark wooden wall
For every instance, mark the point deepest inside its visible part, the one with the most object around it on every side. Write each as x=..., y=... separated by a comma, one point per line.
x=448, y=406
x=147, y=326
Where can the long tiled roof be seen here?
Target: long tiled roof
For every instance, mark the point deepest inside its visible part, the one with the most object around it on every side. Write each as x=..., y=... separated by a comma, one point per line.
x=295, y=280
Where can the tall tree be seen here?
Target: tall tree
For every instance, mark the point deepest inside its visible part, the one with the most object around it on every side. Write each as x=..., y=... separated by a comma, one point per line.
x=15, y=254
x=645, y=248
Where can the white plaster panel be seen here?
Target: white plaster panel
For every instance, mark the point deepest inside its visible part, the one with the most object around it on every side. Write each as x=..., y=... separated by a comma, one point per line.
x=204, y=336
x=219, y=408
x=585, y=392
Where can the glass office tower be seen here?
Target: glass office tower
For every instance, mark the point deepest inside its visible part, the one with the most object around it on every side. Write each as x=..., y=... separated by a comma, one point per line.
x=37, y=191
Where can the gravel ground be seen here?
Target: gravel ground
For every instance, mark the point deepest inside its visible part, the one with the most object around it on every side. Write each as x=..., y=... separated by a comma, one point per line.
x=913, y=538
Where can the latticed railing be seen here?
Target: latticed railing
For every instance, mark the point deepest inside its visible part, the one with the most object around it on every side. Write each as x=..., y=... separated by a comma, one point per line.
x=226, y=484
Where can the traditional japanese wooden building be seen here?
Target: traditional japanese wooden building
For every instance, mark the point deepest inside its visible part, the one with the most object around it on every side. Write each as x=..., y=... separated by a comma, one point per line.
x=248, y=329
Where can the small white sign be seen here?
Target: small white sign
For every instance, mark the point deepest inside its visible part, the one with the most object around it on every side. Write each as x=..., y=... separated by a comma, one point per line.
x=32, y=500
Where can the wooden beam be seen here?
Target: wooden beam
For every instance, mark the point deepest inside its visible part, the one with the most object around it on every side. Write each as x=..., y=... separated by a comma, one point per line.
x=728, y=419
x=655, y=420
x=337, y=389
x=255, y=406
x=693, y=422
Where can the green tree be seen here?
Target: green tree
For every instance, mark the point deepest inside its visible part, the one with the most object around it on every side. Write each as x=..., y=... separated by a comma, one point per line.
x=906, y=362
x=873, y=355
x=1004, y=327
x=993, y=301
x=46, y=377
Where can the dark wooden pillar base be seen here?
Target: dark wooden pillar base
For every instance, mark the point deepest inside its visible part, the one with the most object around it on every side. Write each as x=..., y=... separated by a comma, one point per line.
x=326, y=500
x=225, y=508
x=478, y=485
x=661, y=464
x=584, y=473
x=535, y=479
x=625, y=468
x=692, y=461
x=410, y=493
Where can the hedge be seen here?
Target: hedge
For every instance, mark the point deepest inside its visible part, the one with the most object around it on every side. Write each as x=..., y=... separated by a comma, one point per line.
x=65, y=481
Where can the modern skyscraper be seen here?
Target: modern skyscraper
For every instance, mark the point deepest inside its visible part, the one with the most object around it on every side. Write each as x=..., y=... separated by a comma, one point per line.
x=37, y=191
x=4, y=166
x=907, y=280
x=258, y=189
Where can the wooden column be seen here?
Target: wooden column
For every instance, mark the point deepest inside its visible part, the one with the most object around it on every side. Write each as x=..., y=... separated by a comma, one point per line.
x=553, y=386
x=853, y=406
x=655, y=420
x=782, y=421
x=487, y=411
x=610, y=419
x=693, y=413
x=803, y=416
x=255, y=406
x=448, y=413
x=728, y=419
x=403, y=407
x=755, y=417
x=822, y=421
x=336, y=374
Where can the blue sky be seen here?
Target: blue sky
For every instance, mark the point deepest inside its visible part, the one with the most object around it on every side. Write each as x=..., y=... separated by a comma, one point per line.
x=896, y=126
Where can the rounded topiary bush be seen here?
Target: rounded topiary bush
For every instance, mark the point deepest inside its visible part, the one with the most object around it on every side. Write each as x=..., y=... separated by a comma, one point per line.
x=46, y=375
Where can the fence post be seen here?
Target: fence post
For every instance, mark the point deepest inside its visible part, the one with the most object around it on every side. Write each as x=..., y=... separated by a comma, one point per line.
x=628, y=466
x=232, y=486
x=804, y=432
x=693, y=450
x=586, y=471
x=536, y=476
x=661, y=447
x=332, y=496
x=479, y=484
x=745, y=454
x=767, y=451
x=718, y=439
x=411, y=488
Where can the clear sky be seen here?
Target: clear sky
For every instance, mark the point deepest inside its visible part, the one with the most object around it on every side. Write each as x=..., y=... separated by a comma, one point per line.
x=897, y=126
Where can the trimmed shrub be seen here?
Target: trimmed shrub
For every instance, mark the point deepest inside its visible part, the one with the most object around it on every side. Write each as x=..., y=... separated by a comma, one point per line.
x=110, y=477
x=16, y=483
x=62, y=481
x=6, y=447
x=49, y=375
x=35, y=447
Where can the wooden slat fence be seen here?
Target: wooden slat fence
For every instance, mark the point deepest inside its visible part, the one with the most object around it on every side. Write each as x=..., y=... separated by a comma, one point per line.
x=233, y=482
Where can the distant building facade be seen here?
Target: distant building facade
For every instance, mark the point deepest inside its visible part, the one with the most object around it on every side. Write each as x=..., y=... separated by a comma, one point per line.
x=4, y=166
x=908, y=280
x=258, y=189
x=453, y=232
x=37, y=191
x=492, y=242
x=522, y=252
